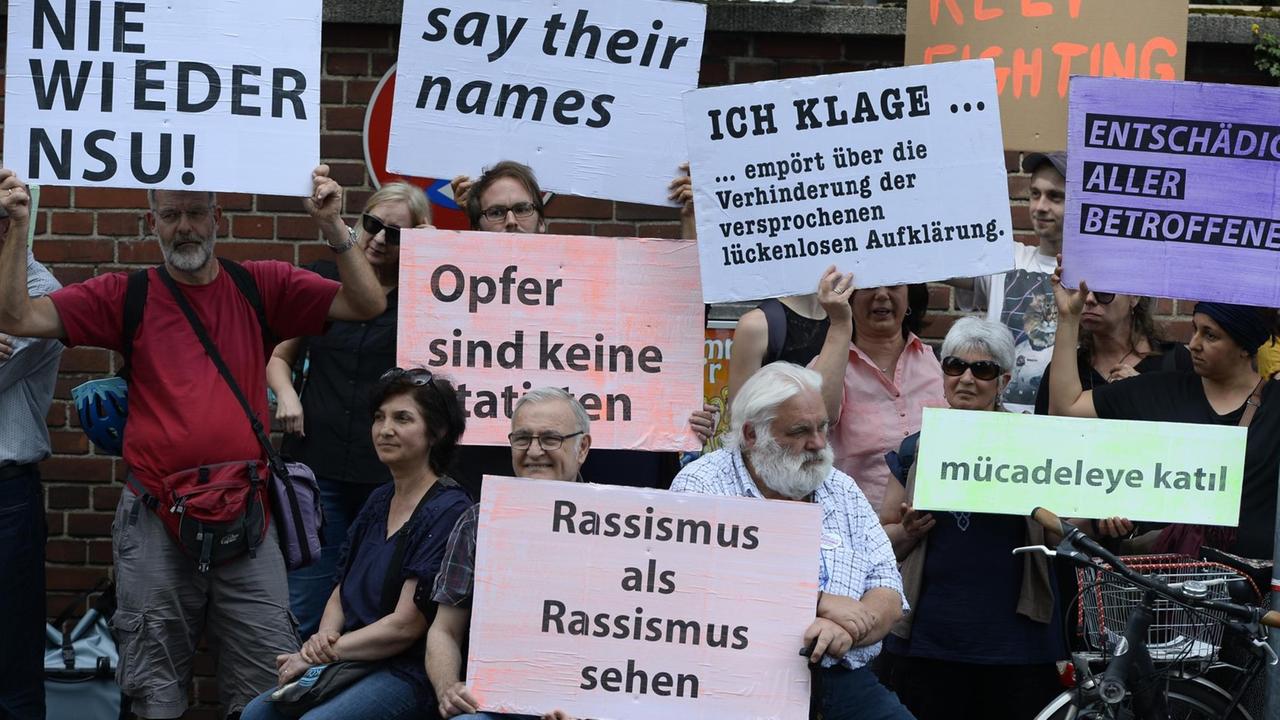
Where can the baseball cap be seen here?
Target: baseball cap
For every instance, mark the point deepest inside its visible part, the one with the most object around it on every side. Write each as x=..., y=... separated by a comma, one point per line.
x=1035, y=160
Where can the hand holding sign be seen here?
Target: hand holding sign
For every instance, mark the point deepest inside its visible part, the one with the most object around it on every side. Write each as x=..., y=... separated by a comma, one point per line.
x=834, y=291
x=1070, y=302
x=325, y=204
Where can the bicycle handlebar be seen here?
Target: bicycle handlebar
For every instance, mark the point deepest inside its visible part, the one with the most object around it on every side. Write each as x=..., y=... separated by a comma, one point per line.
x=1074, y=538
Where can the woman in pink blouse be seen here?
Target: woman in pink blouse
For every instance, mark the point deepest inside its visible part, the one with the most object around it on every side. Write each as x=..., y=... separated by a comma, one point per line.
x=877, y=376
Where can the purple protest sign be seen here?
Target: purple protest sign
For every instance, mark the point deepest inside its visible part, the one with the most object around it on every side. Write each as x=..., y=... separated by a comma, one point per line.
x=1173, y=190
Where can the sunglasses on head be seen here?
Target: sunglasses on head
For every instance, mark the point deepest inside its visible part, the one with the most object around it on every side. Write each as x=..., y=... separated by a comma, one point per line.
x=982, y=369
x=416, y=377
x=374, y=225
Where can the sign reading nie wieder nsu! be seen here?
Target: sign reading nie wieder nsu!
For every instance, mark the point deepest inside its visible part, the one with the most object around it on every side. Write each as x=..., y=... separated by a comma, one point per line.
x=896, y=175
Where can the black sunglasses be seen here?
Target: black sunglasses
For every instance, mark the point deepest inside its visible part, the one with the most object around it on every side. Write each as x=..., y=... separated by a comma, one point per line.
x=982, y=369
x=1103, y=298
x=374, y=225
x=416, y=377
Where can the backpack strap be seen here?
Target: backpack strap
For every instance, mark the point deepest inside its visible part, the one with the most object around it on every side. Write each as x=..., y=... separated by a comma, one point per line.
x=775, y=316
x=249, y=288
x=135, y=298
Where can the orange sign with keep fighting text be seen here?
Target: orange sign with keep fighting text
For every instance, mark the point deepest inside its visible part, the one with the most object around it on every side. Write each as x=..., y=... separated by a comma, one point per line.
x=618, y=322
x=1037, y=45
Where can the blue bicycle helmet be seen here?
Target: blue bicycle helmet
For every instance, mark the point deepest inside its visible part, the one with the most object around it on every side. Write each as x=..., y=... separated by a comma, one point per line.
x=103, y=407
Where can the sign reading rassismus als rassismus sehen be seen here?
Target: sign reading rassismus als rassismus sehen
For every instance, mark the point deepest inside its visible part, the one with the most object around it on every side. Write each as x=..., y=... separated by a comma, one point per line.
x=896, y=175
x=998, y=462
x=1172, y=190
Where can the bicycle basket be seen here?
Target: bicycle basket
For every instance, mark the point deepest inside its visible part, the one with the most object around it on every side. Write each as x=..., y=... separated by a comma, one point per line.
x=1177, y=633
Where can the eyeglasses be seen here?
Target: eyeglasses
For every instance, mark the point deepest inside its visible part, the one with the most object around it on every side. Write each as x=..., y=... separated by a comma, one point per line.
x=982, y=369
x=547, y=441
x=498, y=213
x=1103, y=298
x=374, y=225
x=195, y=215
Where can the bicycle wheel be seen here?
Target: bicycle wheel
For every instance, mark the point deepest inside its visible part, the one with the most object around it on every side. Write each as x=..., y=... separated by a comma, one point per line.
x=1189, y=699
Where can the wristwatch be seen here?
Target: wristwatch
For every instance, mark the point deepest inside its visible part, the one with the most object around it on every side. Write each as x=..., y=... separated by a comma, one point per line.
x=350, y=243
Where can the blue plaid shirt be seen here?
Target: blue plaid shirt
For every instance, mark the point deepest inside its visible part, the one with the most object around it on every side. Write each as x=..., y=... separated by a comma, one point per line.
x=855, y=555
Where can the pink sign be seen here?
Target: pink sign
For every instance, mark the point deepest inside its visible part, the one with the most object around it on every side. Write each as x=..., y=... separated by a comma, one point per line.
x=617, y=603
x=618, y=322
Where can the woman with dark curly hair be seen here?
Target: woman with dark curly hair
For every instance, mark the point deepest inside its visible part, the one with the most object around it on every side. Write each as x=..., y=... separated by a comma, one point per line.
x=396, y=542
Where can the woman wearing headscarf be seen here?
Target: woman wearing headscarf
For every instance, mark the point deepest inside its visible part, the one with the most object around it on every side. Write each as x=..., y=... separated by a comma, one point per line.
x=1224, y=388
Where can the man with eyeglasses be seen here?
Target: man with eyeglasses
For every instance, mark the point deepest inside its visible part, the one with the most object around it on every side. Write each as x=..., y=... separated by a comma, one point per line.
x=184, y=419
x=550, y=437
x=1022, y=298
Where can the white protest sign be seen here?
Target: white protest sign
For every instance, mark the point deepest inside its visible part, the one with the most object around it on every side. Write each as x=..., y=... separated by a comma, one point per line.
x=628, y=604
x=896, y=175
x=218, y=95
x=586, y=93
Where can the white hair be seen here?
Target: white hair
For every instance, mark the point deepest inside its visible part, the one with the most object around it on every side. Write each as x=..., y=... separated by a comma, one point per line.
x=757, y=401
x=978, y=335
x=545, y=394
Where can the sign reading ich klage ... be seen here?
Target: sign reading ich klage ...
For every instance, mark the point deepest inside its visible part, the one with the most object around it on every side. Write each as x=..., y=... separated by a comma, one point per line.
x=587, y=93
x=896, y=175
x=1160, y=472
x=610, y=602
x=1172, y=190
x=617, y=322
x=218, y=95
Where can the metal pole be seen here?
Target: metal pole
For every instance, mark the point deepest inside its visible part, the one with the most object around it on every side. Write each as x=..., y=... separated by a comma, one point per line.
x=1273, y=671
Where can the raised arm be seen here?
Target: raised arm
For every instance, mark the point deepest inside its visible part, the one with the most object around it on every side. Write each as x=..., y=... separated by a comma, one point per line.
x=834, y=291
x=1066, y=395
x=20, y=314
x=360, y=298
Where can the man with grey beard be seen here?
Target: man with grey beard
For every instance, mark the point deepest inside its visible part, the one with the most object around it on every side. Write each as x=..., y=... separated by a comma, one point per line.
x=777, y=450
x=186, y=429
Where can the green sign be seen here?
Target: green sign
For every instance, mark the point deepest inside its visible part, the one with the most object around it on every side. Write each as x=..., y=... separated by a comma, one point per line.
x=1008, y=463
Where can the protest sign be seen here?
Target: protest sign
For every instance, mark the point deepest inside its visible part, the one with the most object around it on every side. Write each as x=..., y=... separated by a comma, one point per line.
x=718, y=351
x=896, y=175
x=616, y=322
x=220, y=95
x=1038, y=45
x=611, y=602
x=998, y=462
x=586, y=93
x=1172, y=190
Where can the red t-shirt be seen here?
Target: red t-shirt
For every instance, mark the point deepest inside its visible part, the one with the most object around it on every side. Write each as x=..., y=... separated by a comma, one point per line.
x=181, y=412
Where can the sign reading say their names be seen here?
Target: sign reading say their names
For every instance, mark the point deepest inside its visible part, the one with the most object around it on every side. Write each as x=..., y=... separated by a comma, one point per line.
x=612, y=602
x=615, y=321
x=586, y=93
x=1172, y=190
x=218, y=95
x=896, y=175
x=1155, y=471
x=1038, y=45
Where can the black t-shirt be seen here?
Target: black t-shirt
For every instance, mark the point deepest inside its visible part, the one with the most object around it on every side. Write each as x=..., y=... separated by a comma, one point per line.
x=1179, y=397
x=1172, y=356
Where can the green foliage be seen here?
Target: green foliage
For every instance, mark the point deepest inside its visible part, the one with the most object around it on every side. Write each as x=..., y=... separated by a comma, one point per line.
x=1266, y=53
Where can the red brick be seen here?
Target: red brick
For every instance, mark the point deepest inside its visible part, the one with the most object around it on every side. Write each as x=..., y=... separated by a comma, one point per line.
x=57, y=415
x=62, y=497
x=120, y=224
x=146, y=252
x=348, y=174
x=70, y=274
x=100, y=552
x=89, y=524
x=939, y=297
x=1019, y=187
x=380, y=63
x=77, y=469
x=69, y=442
x=256, y=251
x=572, y=206
x=569, y=228
x=799, y=69
x=331, y=91
x=712, y=73
x=42, y=223
x=1164, y=306
x=791, y=45
x=77, y=251
x=106, y=497
x=66, y=551
x=279, y=204
x=252, y=226
x=75, y=579
x=344, y=118
x=347, y=63
x=55, y=197
x=235, y=201
x=614, y=230
x=636, y=211
x=720, y=44
x=658, y=230
x=355, y=201
x=1012, y=161
x=749, y=71
x=359, y=92
x=311, y=252
x=1021, y=217
x=345, y=146
x=297, y=228
x=55, y=603
x=938, y=325
x=56, y=522
x=72, y=223
x=111, y=198
x=355, y=36
x=1177, y=330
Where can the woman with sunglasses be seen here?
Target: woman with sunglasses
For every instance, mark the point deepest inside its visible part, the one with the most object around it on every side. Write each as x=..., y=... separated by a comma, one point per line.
x=396, y=542
x=957, y=567
x=1223, y=388
x=320, y=414
x=1118, y=339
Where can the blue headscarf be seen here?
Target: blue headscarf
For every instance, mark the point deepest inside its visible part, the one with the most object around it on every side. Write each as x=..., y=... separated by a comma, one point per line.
x=1243, y=323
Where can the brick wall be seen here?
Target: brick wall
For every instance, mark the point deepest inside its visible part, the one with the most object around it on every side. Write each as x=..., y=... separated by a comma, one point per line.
x=83, y=232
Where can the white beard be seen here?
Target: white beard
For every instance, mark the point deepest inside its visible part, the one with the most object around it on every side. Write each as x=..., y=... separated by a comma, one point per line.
x=190, y=258
x=791, y=475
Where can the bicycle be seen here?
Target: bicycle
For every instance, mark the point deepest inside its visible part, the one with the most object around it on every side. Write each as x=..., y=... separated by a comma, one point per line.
x=1132, y=687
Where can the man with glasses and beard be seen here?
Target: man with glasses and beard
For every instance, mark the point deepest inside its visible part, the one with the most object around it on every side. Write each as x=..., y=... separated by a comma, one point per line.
x=777, y=450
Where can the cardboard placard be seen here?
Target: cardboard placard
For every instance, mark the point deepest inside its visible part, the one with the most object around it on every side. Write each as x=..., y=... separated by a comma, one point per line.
x=586, y=93
x=501, y=314
x=610, y=602
x=1172, y=190
x=1038, y=45
x=220, y=95
x=718, y=353
x=1006, y=463
x=896, y=175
